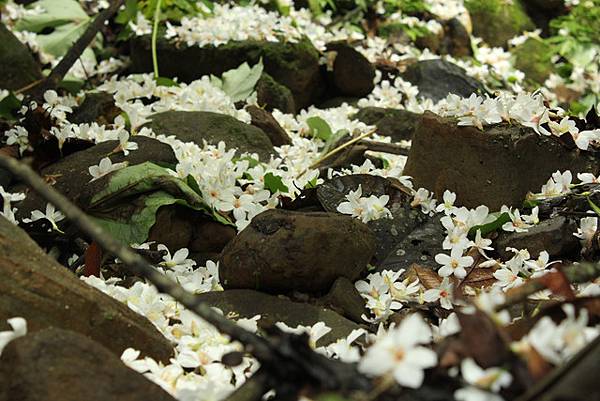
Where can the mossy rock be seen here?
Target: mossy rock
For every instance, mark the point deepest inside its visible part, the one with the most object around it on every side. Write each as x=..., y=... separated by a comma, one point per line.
x=295, y=65
x=17, y=66
x=199, y=126
x=272, y=95
x=395, y=123
x=533, y=58
x=496, y=21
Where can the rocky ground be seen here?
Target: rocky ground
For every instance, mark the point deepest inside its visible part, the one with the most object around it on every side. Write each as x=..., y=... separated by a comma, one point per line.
x=413, y=185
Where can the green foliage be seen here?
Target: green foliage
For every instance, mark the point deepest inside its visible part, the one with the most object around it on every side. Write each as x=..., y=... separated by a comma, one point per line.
x=582, y=23
x=127, y=206
x=9, y=106
x=66, y=20
x=499, y=219
x=274, y=183
x=239, y=83
x=319, y=128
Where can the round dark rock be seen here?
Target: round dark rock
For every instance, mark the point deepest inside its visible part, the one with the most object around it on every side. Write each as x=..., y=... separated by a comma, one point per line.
x=284, y=251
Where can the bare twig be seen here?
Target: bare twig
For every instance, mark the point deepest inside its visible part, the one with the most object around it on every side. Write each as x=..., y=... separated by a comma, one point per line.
x=384, y=147
x=285, y=356
x=581, y=273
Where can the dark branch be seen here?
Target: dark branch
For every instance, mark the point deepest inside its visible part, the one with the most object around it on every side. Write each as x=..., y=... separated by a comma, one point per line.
x=287, y=357
x=61, y=69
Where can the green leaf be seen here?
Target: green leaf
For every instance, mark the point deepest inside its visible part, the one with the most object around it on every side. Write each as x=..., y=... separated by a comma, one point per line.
x=67, y=19
x=239, y=83
x=128, y=13
x=133, y=225
x=164, y=81
x=8, y=107
x=594, y=207
x=56, y=13
x=274, y=183
x=500, y=218
x=319, y=128
x=60, y=40
x=127, y=206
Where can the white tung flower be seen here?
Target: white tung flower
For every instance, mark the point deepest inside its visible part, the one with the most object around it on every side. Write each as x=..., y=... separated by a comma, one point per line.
x=366, y=209
x=400, y=353
x=19, y=329
x=52, y=215
x=454, y=263
x=105, y=167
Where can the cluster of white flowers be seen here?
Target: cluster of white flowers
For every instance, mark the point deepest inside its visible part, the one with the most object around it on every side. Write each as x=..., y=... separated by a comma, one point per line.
x=526, y=109
x=556, y=343
x=233, y=23
x=366, y=209
x=199, y=95
x=384, y=293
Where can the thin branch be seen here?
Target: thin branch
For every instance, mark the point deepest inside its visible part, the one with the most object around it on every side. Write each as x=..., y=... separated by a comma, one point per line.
x=384, y=147
x=65, y=64
x=580, y=273
x=286, y=356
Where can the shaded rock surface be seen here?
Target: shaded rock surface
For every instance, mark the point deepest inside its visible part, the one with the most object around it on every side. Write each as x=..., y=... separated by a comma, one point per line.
x=497, y=21
x=437, y=78
x=34, y=286
x=17, y=66
x=265, y=121
x=554, y=235
x=295, y=65
x=494, y=167
x=345, y=299
x=71, y=176
x=409, y=237
x=353, y=74
x=97, y=107
x=196, y=126
x=272, y=95
x=533, y=58
x=284, y=250
x=273, y=309
x=55, y=364
x=395, y=123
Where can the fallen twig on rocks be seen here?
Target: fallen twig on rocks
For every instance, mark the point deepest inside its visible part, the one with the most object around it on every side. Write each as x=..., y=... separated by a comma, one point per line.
x=287, y=358
x=61, y=69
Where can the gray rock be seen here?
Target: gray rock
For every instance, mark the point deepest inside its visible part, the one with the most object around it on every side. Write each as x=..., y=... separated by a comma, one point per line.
x=71, y=177
x=554, y=235
x=284, y=251
x=397, y=124
x=494, y=167
x=36, y=287
x=438, y=78
x=273, y=309
x=97, y=107
x=353, y=74
x=17, y=66
x=345, y=299
x=272, y=95
x=295, y=65
x=62, y=365
x=496, y=21
x=196, y=126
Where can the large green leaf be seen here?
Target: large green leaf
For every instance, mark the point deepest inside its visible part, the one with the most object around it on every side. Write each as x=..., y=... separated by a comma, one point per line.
x=319, y=128
x=134, y=227
x=127, y=206
x=239, y=83
x=67, y=19
x=56, y=13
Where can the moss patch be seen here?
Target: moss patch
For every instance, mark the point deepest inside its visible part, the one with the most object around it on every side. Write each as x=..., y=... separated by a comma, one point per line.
x=496, y=21
x=533, y=58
